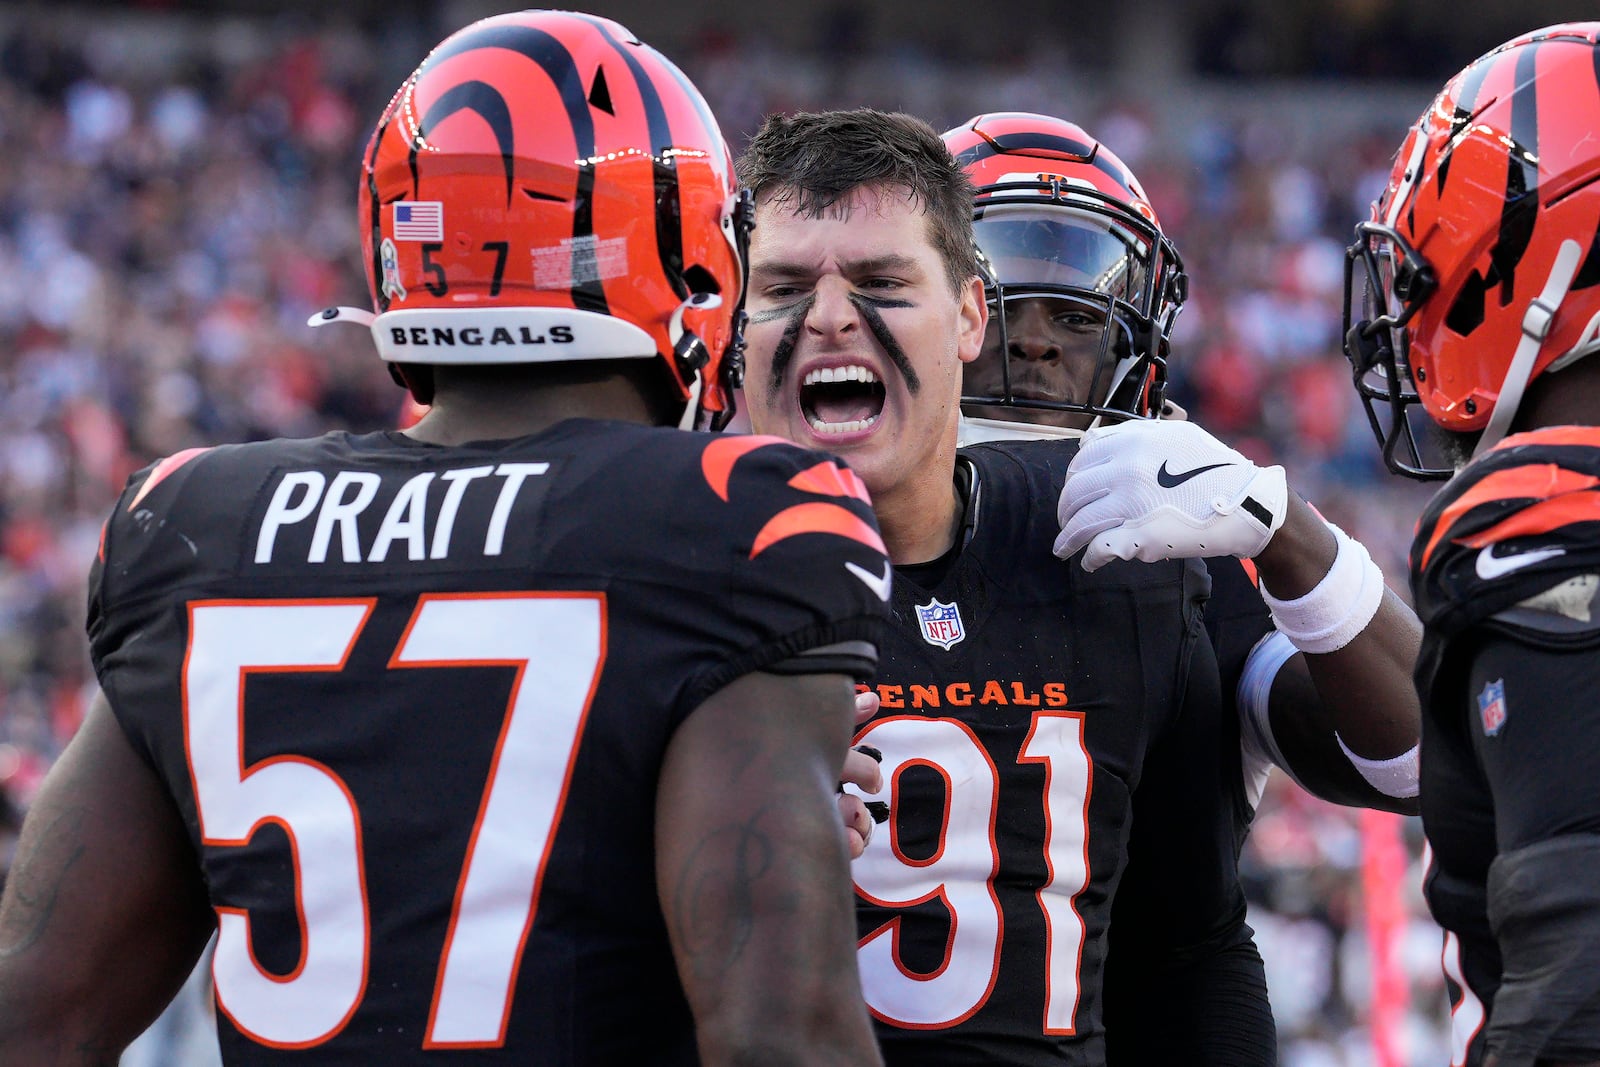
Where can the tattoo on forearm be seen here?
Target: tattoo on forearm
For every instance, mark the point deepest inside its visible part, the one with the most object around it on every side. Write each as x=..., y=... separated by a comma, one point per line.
x=715, y=913
x=37, y=874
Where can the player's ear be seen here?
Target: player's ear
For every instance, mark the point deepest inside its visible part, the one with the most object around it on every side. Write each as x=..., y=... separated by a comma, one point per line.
x=974, y=320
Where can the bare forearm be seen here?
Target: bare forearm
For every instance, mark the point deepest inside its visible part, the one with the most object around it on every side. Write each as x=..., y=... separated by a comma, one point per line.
x=1368, y=687
x=1365, y=688
x=763, y=937
x=754, y=877
x=104, y=911
x=40, y=1020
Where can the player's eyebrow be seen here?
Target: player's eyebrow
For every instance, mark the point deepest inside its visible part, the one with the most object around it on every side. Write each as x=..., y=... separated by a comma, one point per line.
x=889, y=262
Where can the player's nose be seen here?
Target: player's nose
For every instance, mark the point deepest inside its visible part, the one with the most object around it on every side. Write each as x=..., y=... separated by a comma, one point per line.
x=832, y=314
x=1029, y=333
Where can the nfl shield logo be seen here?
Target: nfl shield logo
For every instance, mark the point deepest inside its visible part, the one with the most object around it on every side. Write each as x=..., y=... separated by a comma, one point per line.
x=941, y=623
x=1492, y=706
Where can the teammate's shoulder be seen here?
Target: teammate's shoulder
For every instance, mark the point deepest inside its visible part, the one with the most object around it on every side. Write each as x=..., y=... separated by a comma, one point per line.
x=759, y=491
x=204, y=472
x=1516, y=523
x=1049, y=456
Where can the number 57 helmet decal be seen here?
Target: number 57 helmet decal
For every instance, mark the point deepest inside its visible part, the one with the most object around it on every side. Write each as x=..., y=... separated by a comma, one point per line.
x=1481, y=262
x=547, y=188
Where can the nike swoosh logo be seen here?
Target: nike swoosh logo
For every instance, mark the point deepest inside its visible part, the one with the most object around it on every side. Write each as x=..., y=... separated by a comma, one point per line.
x=879, y=585
x=1490, y=566
x=1166, y=479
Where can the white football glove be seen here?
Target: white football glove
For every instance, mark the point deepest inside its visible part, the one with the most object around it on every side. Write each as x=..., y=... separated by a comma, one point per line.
x=1154, y=490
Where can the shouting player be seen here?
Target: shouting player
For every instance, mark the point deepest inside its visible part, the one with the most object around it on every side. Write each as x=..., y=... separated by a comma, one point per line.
x=1030, y=711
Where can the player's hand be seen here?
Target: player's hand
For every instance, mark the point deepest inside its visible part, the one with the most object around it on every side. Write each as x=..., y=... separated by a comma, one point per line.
x=862, y=770
x=1163, y=489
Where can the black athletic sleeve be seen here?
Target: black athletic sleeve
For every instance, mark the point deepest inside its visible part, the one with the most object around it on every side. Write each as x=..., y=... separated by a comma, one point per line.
x=1533, y=701
x=1184, y=982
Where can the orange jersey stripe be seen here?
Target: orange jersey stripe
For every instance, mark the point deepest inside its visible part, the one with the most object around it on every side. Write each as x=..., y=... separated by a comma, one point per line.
x=1531, y=482
x=830, y=479
x=816, y=518
x=1540, y=518
x=164, y=468
x=718, y=460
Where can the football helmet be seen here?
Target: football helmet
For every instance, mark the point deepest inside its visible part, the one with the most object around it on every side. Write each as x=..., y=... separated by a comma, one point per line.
x=1479, y=269
x=1066, y=234
x=544, y=188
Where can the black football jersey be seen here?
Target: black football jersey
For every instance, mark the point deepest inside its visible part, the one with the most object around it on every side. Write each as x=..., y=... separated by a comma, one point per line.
x=1504, y=570
x=412, y=702
x=1022, y=698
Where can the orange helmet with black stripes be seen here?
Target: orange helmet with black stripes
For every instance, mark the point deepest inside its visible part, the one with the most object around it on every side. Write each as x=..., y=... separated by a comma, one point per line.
x=547, y=188
x=1480, y=268
x=1059, y=218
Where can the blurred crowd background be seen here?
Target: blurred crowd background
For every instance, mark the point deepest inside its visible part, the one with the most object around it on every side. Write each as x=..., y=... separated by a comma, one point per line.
x=177, y=192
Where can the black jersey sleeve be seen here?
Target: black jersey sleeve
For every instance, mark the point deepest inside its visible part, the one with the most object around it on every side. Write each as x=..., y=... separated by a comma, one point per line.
x=1178, y=932
x=140, y=553
x=802, y=565
x=1519, y=523
x=1504, y=569
x=1535, y=713
x=1236, y=620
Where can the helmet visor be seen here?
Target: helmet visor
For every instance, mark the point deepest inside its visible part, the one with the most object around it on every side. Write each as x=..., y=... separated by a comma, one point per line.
x=1061, y=247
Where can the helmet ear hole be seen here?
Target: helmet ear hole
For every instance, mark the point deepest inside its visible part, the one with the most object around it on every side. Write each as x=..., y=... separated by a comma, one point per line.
x=700, y=280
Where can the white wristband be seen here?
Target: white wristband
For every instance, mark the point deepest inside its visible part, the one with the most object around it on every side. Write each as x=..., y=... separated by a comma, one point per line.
x=1396, y=777
x=1338, y=608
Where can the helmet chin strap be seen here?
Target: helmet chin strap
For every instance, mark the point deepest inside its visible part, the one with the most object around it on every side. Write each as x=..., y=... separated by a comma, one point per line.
x=691, y=410
x=1535, y=328
x=682, y=345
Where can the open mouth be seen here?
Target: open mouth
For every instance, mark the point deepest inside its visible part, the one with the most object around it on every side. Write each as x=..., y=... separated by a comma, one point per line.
x=839, y=400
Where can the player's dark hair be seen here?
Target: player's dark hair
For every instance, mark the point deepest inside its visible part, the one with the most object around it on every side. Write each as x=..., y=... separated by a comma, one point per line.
x=816, y=159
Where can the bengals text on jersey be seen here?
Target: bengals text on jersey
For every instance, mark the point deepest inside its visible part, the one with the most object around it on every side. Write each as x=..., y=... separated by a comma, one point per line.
x=1028, y=709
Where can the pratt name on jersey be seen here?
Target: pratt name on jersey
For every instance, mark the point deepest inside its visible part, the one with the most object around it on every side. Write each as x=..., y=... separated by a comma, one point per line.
x=308, y=496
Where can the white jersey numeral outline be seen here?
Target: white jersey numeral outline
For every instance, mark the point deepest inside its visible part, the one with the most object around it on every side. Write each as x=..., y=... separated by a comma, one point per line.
x=961, y=872
x=556, y=643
